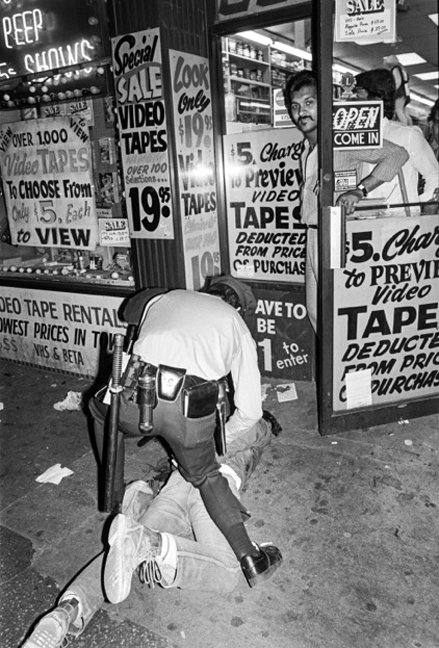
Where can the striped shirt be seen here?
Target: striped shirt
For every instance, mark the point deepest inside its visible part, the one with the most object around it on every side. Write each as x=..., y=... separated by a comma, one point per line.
x=388, y=161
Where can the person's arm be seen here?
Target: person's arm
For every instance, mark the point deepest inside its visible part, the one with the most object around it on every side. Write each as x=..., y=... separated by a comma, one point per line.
x=247, y=385
x=388, y=161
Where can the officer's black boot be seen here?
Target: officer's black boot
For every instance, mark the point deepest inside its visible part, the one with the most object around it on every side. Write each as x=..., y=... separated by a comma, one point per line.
x=261, y=565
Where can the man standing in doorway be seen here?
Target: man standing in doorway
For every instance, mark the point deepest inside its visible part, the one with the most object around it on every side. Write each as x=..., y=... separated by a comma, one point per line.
x=301, y=101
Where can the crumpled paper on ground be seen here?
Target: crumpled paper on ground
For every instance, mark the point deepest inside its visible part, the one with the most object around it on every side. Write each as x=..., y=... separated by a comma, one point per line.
x=54, y=475
x=73, y=401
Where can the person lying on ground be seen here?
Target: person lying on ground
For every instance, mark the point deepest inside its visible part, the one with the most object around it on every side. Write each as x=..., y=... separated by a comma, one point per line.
x=169, y=538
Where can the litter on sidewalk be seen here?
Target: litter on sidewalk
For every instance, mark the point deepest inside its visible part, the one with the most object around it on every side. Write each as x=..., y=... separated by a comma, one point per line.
x=54, y=475
x=73, y=401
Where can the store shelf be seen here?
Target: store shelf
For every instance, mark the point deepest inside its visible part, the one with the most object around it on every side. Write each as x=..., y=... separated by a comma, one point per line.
x=250, y=82
x=246, y=59
x=262, y=69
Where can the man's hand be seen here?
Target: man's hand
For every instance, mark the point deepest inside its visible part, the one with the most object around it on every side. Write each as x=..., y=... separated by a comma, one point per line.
x=349, y=199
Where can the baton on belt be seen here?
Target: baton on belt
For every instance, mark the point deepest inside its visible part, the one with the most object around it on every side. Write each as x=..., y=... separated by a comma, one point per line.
x=113, y=425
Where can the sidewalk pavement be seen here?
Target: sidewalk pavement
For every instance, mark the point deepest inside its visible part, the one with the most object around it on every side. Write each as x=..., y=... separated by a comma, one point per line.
x=355, y=515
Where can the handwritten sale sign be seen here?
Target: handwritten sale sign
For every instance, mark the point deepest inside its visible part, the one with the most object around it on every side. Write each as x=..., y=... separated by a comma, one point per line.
x=46, y=167
x=386, y=310
x=196, y=177
x=137, y=71
x=365, y=21
x=266, y=236
x=114, y=232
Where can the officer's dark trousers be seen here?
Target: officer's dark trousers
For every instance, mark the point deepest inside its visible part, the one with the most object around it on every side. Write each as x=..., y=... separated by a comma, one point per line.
x=192, y=444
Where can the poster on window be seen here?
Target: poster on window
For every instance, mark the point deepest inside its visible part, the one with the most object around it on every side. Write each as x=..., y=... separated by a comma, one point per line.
x=262, y=175
x=365, y=21
x=386, y=313
x=195, y=155
x=47, y=177
x=141, y=119
x=63, y=331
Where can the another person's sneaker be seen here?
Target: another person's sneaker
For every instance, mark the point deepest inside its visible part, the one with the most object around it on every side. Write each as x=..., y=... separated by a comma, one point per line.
x=137, y=498
x=262, y=565
x=51, y=630
x=276, y=427
x=131, y=544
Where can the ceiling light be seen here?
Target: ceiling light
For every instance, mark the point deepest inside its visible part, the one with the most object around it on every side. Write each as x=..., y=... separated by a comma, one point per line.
x=288, y=49
x=257, y=38
x=427, y=76
x=421, y=99
x=410, y=59
x=433, y=17
x=343, y=69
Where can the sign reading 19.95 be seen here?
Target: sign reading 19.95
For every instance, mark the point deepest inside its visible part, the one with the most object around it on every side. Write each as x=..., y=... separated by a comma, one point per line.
x=137, y=70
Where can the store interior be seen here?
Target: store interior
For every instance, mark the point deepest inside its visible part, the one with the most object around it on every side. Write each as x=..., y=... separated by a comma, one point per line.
x=257, y=62
x=255, y=65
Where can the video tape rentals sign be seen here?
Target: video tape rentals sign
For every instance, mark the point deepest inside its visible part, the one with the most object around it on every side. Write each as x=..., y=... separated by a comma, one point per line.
x=357, y=124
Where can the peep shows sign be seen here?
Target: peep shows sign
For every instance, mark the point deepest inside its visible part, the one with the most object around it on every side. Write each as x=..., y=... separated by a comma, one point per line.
x=357, y=124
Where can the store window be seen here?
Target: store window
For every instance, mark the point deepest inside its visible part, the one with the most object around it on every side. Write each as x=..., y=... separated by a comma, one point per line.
x=61, y=210
x=262, y=153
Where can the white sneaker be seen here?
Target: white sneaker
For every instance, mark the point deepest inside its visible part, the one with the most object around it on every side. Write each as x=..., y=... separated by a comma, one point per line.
x=131, y=544
x=137, y=498
x=51, y=631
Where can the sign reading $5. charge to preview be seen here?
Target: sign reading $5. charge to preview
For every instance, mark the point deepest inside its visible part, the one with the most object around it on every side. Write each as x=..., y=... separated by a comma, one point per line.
x=386, y=312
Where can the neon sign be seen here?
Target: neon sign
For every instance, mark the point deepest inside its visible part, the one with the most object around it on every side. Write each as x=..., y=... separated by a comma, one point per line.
x=51, y=35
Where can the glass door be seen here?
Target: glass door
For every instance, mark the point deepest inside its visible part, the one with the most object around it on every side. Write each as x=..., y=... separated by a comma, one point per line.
x=378, y=349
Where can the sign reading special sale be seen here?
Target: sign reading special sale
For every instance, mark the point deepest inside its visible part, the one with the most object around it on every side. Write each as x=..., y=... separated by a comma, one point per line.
x=266, y=237
x=386, y=312
x=57, y=330
x=137, y=70
x=196, y=177
x=46, y=167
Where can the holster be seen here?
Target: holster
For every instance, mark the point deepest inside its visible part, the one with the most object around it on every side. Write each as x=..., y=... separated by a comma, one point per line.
x=221, y=406
x=200, y=400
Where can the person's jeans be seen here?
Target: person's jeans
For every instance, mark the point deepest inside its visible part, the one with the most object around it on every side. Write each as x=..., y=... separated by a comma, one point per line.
x=192, y=443
x=207, y=564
